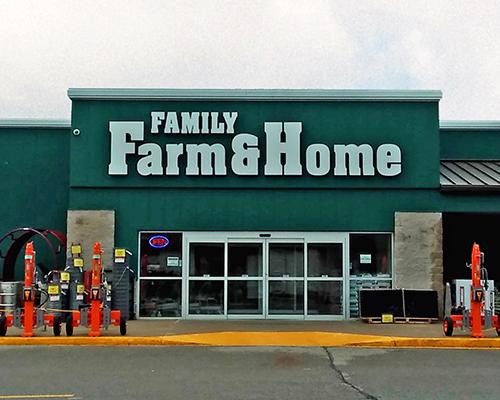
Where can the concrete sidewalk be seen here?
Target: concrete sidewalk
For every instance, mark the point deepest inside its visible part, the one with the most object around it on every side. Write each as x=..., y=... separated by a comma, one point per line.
x=265, y=333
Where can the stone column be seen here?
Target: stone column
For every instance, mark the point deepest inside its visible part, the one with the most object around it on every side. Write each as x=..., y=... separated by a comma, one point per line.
x=418, y=252
x=89, y=226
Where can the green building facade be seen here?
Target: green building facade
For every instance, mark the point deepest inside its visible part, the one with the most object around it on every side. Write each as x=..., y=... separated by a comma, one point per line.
x=256, y=203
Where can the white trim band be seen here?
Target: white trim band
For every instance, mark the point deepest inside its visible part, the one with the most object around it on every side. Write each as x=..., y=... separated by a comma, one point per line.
x=469, y=125
x=254, y=94
x=35, y=123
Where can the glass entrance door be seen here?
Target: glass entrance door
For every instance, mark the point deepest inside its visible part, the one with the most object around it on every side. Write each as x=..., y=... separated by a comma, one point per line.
x=245, y=278
x=287, y=276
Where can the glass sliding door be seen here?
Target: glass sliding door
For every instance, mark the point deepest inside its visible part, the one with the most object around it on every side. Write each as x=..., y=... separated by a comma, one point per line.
x=289, y=275
x=285, y=278
x=245, y=278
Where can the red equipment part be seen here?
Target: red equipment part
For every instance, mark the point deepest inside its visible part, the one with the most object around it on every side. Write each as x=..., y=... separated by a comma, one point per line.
x=95, y=289
x=476, y=318
x=477, y=293
x=28, y=295
x=28, y=314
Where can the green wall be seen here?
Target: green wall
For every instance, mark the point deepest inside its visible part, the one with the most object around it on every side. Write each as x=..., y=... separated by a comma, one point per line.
x=470, y=144
x=411, y=125
x=34, y=174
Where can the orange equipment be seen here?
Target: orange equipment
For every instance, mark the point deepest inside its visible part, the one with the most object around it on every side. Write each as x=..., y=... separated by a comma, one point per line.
x=29, y=317
x=477, y=316
x=98, y=314
x=95, y=303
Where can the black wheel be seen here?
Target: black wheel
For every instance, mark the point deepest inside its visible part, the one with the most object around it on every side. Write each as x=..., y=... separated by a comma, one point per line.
x=3, y=325
x=123, y=326
x=448, y=326
x=57, y=326
x=69, y=325
x=498, y=331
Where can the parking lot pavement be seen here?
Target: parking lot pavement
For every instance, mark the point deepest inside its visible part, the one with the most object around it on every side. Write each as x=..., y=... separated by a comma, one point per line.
x=247, y=373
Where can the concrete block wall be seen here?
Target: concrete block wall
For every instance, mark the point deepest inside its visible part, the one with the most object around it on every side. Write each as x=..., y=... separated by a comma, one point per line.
x=89, y=226
x=418, y=252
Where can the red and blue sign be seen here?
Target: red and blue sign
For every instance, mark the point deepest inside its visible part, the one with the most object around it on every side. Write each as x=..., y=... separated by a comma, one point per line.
x=158, y=241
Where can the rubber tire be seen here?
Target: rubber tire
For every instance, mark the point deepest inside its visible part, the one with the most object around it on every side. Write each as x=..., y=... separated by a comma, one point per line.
x=448, y=326
x=57, y=326
x=498, y=331
x=69, y=325
x=3, y=325
x=123, y=326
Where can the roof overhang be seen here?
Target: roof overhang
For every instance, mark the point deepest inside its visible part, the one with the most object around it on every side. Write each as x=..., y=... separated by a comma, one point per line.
x=470, y=175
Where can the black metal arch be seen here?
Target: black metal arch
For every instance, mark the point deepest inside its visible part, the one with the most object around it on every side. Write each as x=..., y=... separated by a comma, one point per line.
x=18, y=243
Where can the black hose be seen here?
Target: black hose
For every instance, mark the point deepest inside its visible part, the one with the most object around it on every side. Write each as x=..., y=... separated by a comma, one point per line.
x=484, y=277
x=46, y=296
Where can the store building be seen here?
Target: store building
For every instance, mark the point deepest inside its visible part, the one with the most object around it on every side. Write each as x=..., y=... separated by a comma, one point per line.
x=261, y=203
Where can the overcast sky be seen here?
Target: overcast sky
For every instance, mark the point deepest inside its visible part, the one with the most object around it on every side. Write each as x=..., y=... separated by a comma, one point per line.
x=49, y=46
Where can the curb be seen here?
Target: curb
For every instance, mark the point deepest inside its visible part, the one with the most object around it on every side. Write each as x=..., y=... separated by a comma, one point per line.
x=284, y=339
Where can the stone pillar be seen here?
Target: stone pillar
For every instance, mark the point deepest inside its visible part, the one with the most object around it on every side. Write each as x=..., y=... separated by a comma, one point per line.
x=89, y=226
x=418, y=252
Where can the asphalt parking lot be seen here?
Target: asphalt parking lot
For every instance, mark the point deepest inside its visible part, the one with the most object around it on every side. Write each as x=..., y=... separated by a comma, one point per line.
x=246, y=373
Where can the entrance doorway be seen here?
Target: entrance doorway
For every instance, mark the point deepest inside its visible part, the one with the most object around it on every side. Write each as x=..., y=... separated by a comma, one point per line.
x=275, y=275
x=460, y=231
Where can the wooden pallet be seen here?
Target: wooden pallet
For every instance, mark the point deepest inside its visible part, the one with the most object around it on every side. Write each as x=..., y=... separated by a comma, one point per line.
x=373, y=320
x=414, y=320
x=401, y=320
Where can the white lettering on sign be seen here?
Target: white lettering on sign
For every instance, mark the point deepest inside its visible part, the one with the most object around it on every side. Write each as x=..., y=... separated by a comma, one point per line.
x=119, y=145
x=246, y=155
x=283, y=151
x=210, y=122
x=287, y=145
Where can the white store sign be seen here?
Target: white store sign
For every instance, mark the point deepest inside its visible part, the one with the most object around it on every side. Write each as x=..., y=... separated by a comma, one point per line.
x=282, y=152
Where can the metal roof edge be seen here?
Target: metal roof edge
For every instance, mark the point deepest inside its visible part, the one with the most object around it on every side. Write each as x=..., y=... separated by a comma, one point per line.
x=35, y=123
x=468, y=189
x=253, y=94
x=458, y=125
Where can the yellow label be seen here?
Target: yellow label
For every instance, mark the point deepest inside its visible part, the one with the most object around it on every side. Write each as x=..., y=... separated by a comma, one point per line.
x=53, y=289
x=119, y=252
x=78, y=262
x=80, y=289
x=77, y=249
x=387, y=318
x=65, y=276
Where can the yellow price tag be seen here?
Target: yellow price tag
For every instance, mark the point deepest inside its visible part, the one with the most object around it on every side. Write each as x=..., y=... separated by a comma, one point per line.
x=387, y=318
x=76, y=249
x=65, y=276
x=78, y=262
x=53, y=289
x=119, y=252
x=80, y=289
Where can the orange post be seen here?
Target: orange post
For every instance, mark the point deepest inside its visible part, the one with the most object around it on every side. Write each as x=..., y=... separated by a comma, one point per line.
x=477, y=293
x=95, y=291
x=28, y=294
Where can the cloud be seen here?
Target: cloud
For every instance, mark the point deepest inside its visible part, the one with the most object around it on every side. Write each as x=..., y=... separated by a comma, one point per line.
x=46, y=47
